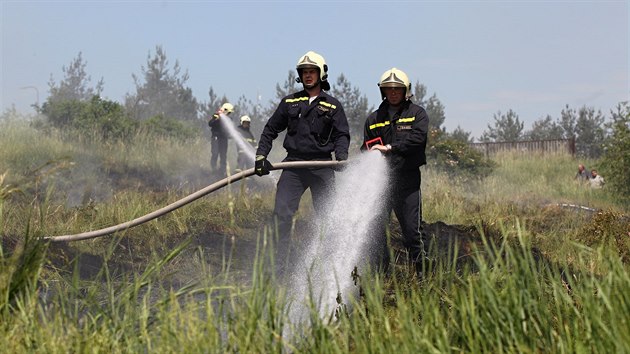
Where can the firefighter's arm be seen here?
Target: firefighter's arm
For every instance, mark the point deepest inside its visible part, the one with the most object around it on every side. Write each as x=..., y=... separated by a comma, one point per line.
x=213, y=119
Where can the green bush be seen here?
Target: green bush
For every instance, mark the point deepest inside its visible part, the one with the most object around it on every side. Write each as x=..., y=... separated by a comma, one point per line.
x=455, y=157
x=104, y=117
x=616, y=160
x=162, y=126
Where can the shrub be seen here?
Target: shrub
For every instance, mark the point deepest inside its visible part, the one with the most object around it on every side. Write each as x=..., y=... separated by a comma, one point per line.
x=104, y=117
x=616, y=160
x=167, y=127
x=455, y=157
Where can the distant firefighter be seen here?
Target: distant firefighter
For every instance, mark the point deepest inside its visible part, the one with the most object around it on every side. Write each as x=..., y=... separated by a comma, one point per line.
x=219, y=139
x=244, y=160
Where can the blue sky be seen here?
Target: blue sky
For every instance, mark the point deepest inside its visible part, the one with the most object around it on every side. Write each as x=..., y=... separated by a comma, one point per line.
x=478, y=57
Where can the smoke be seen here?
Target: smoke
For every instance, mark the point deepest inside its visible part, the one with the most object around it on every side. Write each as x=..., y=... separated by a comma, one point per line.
x=343, y=239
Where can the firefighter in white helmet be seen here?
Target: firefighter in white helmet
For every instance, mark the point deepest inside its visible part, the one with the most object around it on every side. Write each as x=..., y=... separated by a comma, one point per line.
x=219, y=138
x=244, y=160
x=399, y=129
x=316, y=128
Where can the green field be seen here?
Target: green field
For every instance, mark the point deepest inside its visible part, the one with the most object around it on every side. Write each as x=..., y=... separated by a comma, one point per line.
x=525, y=260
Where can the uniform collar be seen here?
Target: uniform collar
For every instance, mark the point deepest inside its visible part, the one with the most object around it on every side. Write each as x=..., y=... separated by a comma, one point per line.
x=382, y=113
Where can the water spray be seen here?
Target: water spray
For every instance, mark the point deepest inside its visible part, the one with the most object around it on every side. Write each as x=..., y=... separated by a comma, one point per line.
x=226, y=122
x=250, y=153
x=341, y=248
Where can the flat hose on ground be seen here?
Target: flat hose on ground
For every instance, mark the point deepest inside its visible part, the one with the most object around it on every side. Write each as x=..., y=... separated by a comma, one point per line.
x=189, y=199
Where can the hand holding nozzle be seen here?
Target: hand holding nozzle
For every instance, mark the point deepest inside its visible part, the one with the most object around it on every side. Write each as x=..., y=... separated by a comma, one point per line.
x=382, y=148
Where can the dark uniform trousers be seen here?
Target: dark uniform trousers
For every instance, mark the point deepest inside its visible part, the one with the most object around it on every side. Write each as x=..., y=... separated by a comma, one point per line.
x=243, y=161
x=291, y=185
x=405, y=201
x=218, y=147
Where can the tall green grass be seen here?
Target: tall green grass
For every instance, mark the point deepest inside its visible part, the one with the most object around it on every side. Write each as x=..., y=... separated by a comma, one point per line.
x=512, y=302
x=536, y=283
x=533, y=181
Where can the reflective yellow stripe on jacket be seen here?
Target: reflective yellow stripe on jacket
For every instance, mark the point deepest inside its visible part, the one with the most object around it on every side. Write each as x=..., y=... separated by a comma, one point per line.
x=379, y=125
x=291, y=100
x=329, y=105
x=401, y=120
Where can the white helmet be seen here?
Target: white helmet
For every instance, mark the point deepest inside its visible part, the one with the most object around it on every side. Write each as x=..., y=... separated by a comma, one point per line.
x=312, y=60
x=395, y=78
x=245, y=119
x=227, y=108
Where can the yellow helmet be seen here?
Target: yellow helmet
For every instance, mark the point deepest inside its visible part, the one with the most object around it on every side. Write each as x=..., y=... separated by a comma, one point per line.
x=312, y=60
x=245, y=119
x=395, y=78
x=227, y=108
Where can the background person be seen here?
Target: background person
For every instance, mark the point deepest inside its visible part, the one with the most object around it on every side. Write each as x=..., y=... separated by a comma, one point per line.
x=402, y=128
x=596, y=180
x=243, y=159
x=219, y=138
x=316, y=127
x=582, y=174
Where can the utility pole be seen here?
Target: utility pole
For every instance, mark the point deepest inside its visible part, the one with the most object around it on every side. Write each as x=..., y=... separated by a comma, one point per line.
x=36, y=94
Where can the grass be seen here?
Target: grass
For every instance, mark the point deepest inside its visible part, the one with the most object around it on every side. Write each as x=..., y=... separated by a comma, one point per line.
x=541, y=277
x=511, y=303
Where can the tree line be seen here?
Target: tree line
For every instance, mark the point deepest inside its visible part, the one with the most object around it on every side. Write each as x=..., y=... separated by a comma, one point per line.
x=161, y=91
x=163, y=104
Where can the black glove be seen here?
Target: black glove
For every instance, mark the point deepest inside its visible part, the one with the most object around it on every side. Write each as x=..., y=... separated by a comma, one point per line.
x=262, y=166
x=341, y=165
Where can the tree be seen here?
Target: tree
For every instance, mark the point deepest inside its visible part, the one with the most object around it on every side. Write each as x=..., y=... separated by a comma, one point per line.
x=616, y=157
x=162, y=92
x=586, y=126
x=507, y=127
x=210, y=107
x=419, y=91
x=288, y=87
x=459, y=134
x=75, y=84
x=567, y=122
x=544, y=129
x=590, y=132
x=255, y=111
x=68, y=97
x=10, y=114
x=435, y=110
x=433, y=106
x=354, y=104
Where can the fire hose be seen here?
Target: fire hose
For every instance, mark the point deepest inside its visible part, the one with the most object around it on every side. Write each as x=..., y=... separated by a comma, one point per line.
x=188, y=199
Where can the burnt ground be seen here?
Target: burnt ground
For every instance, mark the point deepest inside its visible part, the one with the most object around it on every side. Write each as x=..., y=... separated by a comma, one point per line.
x=241, y=251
